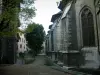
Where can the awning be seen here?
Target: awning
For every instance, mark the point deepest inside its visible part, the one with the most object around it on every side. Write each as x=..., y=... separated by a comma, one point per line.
x=66, y=10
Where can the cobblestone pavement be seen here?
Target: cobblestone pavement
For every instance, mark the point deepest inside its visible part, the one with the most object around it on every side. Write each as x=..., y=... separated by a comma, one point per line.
x=36, y=68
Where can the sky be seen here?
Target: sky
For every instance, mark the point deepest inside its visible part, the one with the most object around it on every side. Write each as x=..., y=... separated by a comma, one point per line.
x=44, y=12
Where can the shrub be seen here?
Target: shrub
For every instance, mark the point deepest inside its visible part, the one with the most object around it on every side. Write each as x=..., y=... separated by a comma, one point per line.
x=29, y=60
x=21, y=55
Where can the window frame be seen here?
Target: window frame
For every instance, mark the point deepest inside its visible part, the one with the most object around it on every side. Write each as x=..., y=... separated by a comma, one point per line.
x=91, y=27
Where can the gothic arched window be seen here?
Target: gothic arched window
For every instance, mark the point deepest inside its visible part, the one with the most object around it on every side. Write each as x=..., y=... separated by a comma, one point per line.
x=87, y=28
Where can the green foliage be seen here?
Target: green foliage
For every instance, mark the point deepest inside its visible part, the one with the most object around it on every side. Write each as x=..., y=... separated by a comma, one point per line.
x=27, y=11
x=35, y=36
x=30, y=28
x=9, y=17
x=21, y=55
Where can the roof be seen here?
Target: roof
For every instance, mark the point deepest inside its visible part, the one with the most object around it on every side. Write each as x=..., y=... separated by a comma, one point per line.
x=61, y=6
x=53, y=26
x=55, y=16
x=50, y=26
x=67, y=8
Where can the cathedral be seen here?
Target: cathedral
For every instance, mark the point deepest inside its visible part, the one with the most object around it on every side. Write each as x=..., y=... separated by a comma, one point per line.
x=74, y=36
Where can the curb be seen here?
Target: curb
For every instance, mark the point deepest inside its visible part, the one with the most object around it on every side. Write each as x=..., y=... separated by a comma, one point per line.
x=59, y=68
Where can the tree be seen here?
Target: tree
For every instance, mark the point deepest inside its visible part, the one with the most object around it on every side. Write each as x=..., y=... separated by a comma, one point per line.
x=27, y=11
x=35, y=36
x=9, y=23
x=9, y=17
x=9, y=20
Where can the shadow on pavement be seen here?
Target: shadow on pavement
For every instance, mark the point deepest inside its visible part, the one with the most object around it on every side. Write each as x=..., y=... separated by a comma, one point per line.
x=2, y=71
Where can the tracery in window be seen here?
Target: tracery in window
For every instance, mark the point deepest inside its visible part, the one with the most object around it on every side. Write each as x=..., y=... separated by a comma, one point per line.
x=87, y=28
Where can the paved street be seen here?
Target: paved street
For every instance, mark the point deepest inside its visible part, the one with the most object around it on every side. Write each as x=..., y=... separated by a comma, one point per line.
x=37, y=68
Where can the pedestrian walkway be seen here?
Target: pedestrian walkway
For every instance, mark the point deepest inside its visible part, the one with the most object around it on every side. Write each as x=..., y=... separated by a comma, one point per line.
x=36, y=68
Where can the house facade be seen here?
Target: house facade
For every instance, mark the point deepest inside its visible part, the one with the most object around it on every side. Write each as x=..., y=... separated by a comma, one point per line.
x=22, y=43
x=74, y=37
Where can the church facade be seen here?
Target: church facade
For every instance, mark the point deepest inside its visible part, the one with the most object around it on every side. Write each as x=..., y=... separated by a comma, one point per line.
x=74, y=36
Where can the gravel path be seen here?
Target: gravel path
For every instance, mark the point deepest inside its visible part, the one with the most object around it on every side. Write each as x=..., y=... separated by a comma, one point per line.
x=36, y=68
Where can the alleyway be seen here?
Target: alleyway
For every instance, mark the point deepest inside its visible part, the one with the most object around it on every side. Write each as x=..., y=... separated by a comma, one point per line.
x=37, y=68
